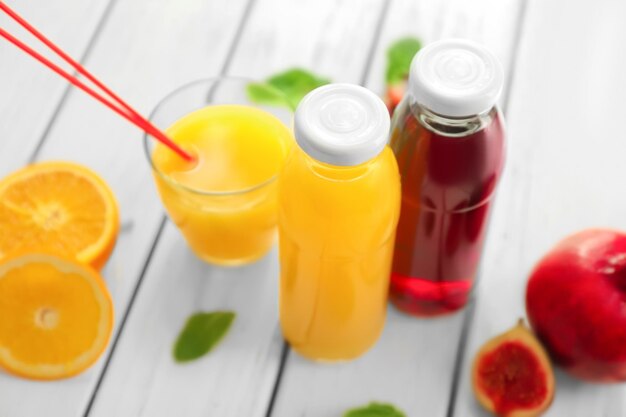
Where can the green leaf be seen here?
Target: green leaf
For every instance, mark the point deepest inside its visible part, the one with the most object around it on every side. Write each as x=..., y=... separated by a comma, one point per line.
x=286, y=88
x=266, y=94
x=399, y=56
x=375, y=410
x=201, y=333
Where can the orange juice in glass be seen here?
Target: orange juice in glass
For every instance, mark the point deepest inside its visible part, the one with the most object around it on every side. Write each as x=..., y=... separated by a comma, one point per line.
x=224, y=202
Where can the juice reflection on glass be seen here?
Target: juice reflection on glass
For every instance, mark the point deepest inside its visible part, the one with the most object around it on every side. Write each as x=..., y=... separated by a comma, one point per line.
x=224, y=202
x=339, y=199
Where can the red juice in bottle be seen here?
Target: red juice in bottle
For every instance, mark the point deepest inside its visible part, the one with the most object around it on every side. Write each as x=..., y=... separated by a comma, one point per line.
x=448, y=138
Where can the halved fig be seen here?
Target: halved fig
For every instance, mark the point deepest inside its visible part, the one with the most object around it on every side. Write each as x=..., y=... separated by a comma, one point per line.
x=512, y=375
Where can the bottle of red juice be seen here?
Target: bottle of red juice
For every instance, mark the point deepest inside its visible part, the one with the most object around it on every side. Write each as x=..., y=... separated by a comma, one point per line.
x=448, y=138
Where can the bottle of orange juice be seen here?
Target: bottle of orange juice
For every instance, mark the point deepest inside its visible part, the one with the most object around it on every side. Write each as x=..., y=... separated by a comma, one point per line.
x=338, y=199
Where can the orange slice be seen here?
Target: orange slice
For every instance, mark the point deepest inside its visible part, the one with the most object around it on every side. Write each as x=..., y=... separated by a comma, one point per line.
x=56, y=316
x=60, y=208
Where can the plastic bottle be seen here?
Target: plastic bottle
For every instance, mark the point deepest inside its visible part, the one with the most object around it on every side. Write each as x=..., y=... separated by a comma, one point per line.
x=339, y=196
x=447, y=135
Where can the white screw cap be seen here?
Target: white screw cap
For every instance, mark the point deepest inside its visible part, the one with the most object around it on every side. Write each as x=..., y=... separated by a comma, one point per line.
x=456, y=78
x=342, y=124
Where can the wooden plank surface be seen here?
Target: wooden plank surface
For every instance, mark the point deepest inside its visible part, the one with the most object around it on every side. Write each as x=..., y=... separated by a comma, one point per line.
x=147, y=48
x=30, y=93
x=237, y=379
x=564, y=172
x=413, y=363
x=565, y=100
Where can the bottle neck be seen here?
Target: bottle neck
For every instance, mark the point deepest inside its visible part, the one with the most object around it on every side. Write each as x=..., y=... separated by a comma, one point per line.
x=336, y=172
x=451, y=126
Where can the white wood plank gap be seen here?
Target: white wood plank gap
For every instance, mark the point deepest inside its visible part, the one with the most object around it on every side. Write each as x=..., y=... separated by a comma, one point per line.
x=564, y=172
x=146, y=49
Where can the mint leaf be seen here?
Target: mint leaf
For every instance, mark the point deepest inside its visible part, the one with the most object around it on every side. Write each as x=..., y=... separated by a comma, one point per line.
x=399, y=56
x=266, y=94
x=375, y=410
x=286, y=88
x=201, y=333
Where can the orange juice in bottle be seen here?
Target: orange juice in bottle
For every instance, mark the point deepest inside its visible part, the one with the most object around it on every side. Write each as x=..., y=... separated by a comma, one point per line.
x=338, y=200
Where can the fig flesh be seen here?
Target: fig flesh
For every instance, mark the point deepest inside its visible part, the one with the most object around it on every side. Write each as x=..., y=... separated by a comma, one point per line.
x=512, y=375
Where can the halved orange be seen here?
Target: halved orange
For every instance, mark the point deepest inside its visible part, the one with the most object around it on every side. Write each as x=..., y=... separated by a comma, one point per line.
x=56, y=316
x=61, y=208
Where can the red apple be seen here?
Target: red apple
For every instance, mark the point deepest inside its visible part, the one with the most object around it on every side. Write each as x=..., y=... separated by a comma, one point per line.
x=576, y=303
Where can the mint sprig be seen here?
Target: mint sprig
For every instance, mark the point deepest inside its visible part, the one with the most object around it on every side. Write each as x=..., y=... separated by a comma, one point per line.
x=375, y=409
x=399, y=57
x=285, y=89
x=202, y=332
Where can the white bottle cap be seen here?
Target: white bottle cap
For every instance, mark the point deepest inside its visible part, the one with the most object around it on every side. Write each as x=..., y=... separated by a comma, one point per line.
x=342, y=124
x=456, y=78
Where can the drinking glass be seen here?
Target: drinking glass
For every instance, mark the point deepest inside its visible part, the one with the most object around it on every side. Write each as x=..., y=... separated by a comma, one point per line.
x=231, y=227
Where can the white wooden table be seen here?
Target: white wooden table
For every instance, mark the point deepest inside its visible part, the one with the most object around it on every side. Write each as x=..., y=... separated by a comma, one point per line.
x=564, y=102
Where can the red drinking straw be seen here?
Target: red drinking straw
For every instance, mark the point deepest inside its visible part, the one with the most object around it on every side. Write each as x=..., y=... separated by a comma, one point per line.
x=126, y=111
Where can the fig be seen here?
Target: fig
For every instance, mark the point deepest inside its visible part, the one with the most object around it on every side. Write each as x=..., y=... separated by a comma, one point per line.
x=512, y=375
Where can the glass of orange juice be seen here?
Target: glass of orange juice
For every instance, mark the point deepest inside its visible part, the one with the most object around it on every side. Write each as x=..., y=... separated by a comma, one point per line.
x=224, y=202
